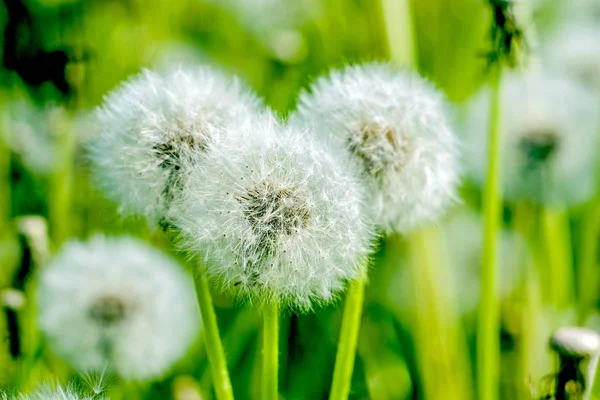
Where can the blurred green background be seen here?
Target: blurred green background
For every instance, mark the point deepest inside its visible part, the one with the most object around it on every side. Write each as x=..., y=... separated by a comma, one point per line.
x=418, y=334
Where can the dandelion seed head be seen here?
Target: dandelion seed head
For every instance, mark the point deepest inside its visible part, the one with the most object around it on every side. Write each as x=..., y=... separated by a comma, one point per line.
x=277, y=216
x=118, y=303
x=31, y=132
x=549, y=134
x=149, y=124
x=52, y=392
x=393, y=123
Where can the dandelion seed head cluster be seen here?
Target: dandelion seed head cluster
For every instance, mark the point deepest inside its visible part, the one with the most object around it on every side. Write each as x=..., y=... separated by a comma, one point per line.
x=117, y=303
x=149, y=124
x=279, y=218
x=52, y=392
x=393, y=123
x=549, y=139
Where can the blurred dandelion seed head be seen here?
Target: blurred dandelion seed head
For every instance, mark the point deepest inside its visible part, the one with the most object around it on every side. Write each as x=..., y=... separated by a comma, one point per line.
x=151, y=123
x=549, y=139
x=117, y=302
x=393, y=122
x=574, y=51
x=279, y=218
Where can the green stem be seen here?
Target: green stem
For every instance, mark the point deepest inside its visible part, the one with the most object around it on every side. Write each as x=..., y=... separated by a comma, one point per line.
x=400, y=32
x=5, y=178
x=214, y=347
x=270, y=354
x=346, y=352
x=488, y=346
x=588, y=264
x=558, y=250
x=60, y=182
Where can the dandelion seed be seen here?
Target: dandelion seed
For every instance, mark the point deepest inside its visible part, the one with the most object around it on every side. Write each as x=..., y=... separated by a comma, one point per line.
x=392, y=122
x=549, y=139
x=117, y=303
x=293, y=231
x=152, y=122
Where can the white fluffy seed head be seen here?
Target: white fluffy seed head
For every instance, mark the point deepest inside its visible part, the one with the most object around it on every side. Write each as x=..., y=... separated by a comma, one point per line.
x=549, y=139
x=574, y=51
x=31, y=132
x=393, y=123
x=153, y=121
x=52, y=392
x=118, y=303
x=279, y=218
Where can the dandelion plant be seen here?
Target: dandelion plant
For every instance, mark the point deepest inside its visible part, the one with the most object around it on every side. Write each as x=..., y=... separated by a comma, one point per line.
x=117, y=303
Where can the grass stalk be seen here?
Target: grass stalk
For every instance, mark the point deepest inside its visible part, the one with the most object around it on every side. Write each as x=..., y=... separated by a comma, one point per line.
x=214, y=347
x=488, y=345
x=270, y=352
x=346, y=351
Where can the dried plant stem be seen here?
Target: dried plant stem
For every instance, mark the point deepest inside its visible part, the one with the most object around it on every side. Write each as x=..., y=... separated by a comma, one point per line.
x=346, y=352
x=214, y=347
x=488, y=346
x=270, y=352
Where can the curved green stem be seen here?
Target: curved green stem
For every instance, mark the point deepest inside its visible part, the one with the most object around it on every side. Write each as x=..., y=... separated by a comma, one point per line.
x=346, y=352
x=488, y=346
x=214, y=347
x=270, y=365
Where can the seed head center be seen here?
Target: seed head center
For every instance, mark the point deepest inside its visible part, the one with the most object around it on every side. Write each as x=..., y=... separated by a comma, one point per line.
x=273, y=211
x=378, y=148
x=107, y=310
x=539, y=146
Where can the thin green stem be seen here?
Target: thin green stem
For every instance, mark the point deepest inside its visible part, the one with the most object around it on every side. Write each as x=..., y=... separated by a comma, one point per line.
x=61, y=181
x=270, y=352
x=214, y=347
x=588, y=267
x=400, y=32
x=488, y=346
x=559, y=257
x=5, y=177
x=346, y=352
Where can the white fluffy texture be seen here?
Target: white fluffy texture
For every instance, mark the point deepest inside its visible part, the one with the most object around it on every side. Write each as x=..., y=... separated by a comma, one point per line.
x=30, y=133
x=278, y=217
x=536, y=108
x=151, y=122
x=580, y=11
x=51, y=392
x=159, y=316
x=394, y=123
x=575, y=51
x=265, y=16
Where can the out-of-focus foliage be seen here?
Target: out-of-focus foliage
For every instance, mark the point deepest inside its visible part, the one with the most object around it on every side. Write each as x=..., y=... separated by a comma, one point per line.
x=60, y=57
